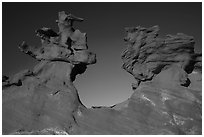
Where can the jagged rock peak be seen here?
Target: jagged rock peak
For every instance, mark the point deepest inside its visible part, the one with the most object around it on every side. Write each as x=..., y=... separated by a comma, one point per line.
x=147, y=54
x=67, y=45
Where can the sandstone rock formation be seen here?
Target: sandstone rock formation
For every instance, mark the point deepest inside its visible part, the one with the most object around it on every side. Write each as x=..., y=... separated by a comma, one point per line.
x=45, y=98
x=147, y=55
x=170, y=89
x=167, y=92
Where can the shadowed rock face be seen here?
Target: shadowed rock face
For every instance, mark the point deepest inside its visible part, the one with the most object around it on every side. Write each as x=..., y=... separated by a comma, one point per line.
x=167, y=95
x=147, y=55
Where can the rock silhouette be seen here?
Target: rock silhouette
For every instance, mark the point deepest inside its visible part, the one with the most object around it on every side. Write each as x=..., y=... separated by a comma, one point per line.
x=167, y=95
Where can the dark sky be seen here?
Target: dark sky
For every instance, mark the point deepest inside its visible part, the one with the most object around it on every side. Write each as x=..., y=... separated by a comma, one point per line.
x=104, y=83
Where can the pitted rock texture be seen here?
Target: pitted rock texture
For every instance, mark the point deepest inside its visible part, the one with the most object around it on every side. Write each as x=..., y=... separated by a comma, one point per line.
x=167, y=97
x=147, y=55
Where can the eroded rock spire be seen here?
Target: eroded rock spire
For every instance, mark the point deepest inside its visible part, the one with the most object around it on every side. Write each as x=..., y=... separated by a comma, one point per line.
x=45, y=97
x=67, y=45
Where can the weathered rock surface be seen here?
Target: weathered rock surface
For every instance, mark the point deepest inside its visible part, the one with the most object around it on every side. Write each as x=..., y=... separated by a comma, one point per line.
x=44, y=100
x=170, y=93
x=167, y=96
x=147, y=55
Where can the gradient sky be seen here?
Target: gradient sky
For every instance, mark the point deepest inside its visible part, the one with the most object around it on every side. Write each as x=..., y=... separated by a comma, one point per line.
x=104, y=83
